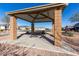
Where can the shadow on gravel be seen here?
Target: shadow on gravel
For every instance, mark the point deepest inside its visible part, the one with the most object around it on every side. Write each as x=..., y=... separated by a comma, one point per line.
x=48, y=39
x=21, y=35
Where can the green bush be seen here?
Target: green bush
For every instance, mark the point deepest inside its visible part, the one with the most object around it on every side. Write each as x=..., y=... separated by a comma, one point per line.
x=1, y=30
x=69, y=33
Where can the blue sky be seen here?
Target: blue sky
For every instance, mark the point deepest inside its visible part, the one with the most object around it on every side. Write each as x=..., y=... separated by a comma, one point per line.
x=70, y=10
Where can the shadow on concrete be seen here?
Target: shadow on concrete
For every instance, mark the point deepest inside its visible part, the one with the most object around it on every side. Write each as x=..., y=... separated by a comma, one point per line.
x=48, y=39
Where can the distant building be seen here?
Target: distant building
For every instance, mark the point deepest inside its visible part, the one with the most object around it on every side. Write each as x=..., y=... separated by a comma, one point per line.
x=24, y=28
x=68, y=28
x=28, y=28
x=40, y=28
x=3, y=27
x=76, y=27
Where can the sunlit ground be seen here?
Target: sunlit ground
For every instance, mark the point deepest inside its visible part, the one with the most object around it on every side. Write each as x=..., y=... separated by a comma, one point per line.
x=72, y=41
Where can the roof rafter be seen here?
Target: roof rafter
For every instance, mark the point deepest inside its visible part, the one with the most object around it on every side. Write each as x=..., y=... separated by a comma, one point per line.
x=31, y=14
x=22, y=18
x=46, y=16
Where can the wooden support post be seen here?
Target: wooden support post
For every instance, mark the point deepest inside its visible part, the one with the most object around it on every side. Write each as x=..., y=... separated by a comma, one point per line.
x=32, y=27
x=53, y=28
x=57, y=26
x=13, y=28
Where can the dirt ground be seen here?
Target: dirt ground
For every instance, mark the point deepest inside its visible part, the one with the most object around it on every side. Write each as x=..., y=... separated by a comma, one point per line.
x=73, y=41
x=4, y=35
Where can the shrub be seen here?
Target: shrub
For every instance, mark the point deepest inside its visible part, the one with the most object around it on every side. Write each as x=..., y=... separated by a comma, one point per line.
x=69, y=33
x=1, y=30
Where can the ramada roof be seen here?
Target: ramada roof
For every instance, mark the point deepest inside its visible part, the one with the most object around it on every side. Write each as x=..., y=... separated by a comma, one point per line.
x=43, y=13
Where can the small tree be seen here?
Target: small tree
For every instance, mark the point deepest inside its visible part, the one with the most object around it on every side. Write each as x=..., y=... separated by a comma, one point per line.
x=6, y=19
x=75, y=18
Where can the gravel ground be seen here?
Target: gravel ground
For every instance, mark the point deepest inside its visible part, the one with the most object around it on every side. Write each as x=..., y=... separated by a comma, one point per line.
x=39, y=42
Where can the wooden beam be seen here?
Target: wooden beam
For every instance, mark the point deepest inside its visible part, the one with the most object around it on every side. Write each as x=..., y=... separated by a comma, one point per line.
x=13, y=28
x=42, y=18
x=33, y=16
x=32, y=27
x=36, y=16
x=57, y=26
x=48, y=13
x=46, y=16
x=21, y=18
x=53, y=29
x=32, y=23
x=30, y=16
x=41, y=21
